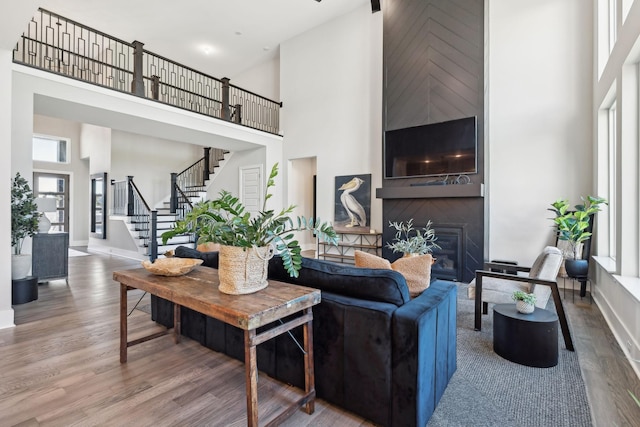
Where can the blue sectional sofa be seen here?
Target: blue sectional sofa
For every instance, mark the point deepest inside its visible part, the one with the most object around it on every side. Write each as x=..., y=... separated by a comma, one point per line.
x=378, y=353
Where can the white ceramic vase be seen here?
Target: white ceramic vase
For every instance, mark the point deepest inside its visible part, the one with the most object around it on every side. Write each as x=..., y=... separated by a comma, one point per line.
x=524, y=307
x=20, y=266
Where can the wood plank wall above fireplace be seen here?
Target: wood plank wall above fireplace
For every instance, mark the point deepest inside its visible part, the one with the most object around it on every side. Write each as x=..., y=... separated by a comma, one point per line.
x=433, y=53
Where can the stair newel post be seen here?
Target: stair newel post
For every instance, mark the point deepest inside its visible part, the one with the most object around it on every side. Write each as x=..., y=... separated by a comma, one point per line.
x=225, y=99
x=153, y=238
x=207, y=164
x=130, y=202
x=173, y=203
x=137, y=85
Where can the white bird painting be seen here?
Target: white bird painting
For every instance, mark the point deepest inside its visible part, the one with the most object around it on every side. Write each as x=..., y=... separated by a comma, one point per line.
x=357, y=214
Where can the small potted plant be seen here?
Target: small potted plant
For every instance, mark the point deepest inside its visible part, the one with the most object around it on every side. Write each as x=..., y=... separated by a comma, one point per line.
x=24, y=223
x=525, y=303
x=423, y=241
x=247, y=243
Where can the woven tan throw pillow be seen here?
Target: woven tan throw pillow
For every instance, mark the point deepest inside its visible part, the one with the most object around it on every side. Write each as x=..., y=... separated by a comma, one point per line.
x=415, y=269
x=367, y=260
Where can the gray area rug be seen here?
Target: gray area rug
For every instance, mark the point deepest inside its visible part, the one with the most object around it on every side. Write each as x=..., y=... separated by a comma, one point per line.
x=487, y=390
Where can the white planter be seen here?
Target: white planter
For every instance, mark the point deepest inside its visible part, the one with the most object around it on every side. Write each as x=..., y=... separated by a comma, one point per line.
x=524, y=307
x=20, y=266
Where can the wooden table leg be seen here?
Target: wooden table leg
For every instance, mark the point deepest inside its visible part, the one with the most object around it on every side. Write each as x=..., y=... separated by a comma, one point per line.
x=123, y=323
x=176, y=323
x=251, y=373
x=309, y=377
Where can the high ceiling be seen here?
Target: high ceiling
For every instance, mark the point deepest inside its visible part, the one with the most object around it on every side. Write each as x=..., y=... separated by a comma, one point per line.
x=219, y=37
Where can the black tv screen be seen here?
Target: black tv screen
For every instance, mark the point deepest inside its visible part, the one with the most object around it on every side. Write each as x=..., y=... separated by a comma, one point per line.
x=446, y=148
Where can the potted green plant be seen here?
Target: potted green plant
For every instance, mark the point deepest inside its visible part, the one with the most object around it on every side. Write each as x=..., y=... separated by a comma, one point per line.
x=573, y=226
x=525, y=303
x=245, y=238
x=24, y=223
x=423, y=241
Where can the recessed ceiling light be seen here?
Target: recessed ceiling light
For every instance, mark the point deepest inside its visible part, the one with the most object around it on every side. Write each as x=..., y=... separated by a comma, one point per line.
x=238, y=33
x=266, y=48
x=207, y=49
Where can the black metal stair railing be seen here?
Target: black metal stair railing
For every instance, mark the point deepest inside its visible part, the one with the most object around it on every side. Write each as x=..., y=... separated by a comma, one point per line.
x=60, y=45
x=191, y=181
x=127, y=200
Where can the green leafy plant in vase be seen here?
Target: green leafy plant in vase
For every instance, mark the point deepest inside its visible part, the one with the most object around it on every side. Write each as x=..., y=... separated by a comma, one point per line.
x=242, y=237
x=573, y=225
x=525, y=302
x=24, y=223
x=413, y=241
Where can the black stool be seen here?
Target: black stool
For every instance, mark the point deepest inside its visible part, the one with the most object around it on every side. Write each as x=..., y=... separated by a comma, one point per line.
x=24, y=290
x=526, y=339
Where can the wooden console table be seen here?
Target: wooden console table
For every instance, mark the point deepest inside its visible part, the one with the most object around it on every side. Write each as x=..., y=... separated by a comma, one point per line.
x=198, y=291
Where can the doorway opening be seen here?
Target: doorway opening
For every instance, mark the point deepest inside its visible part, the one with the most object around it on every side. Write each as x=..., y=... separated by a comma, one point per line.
x=53, y=185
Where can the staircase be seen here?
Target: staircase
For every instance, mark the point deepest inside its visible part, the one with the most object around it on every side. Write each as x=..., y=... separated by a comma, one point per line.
x=167, y=220
x=187, y=188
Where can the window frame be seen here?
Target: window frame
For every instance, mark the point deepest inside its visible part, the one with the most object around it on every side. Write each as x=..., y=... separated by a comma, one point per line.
x=58, y=139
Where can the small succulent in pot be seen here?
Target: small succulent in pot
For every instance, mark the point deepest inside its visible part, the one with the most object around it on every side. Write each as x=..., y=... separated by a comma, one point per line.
x=525, y=303
x=523, y=296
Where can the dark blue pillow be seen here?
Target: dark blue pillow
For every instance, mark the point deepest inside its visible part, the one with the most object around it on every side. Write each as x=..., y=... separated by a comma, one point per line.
x=364, y=283
x=210, y=258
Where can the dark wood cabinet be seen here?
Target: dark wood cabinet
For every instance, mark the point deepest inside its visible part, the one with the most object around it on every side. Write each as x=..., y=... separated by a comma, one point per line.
x=50, y=258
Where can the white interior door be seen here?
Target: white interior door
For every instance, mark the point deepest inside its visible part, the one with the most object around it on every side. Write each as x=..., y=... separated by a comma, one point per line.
x=251, y=188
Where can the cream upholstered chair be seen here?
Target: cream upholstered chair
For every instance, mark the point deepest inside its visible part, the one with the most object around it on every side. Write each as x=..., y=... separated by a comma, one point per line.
x=495, y=287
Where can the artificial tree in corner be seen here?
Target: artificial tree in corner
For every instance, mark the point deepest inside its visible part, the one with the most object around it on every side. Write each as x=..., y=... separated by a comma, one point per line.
x=24, y=223
x=226, y=221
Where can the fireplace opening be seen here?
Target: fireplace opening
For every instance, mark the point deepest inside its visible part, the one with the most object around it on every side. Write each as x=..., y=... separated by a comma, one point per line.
x=448, y=265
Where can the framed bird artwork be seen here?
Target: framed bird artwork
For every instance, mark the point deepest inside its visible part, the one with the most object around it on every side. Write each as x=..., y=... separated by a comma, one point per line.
x=352, y=203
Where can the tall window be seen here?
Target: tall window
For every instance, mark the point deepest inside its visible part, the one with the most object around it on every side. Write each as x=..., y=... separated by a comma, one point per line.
x=612, y=166
x=50, y=149
x=613, y=23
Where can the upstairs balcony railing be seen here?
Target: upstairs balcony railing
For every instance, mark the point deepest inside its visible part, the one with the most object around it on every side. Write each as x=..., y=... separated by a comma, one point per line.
x=60, y=45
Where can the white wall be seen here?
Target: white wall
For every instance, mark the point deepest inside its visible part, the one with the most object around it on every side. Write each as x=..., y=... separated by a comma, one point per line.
x=263, y=79
x=539, y=113
x=331, y=89
x=77, y=169
x=6, y=174
x=228, y=178
x=95, y=146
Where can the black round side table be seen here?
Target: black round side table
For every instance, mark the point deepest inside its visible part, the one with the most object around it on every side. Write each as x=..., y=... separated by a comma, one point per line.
x=24, y=290
x=527, y=339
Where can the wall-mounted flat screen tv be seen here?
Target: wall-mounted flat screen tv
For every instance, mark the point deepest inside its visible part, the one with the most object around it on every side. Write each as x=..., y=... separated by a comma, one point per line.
x=445, y=148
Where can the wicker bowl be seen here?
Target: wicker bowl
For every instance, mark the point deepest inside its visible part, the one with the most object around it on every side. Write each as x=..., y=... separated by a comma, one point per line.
x=171, y=266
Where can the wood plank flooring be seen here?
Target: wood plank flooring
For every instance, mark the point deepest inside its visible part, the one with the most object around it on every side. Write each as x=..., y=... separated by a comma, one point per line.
x=60, y=366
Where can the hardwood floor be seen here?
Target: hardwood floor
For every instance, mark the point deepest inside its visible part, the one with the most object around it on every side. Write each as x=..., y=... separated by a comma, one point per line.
x=60, y=366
